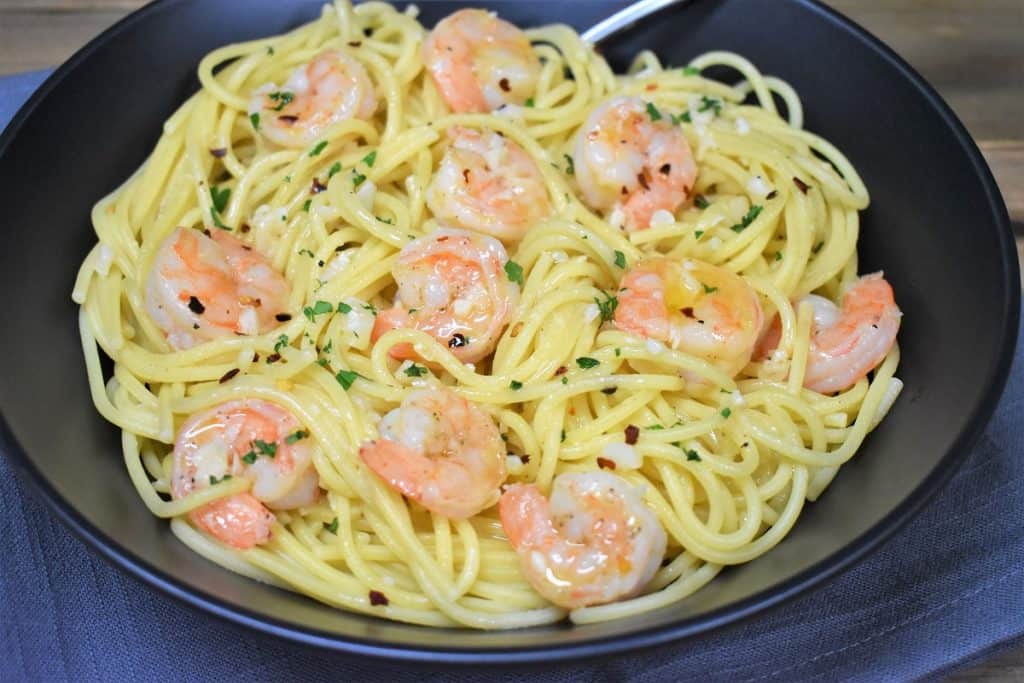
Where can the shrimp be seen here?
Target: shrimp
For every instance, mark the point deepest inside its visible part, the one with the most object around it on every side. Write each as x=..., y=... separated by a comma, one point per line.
x=332, y=88
x=451, y=285
x=849, y=342
x=694, y=307
x=480, y=62
x=626, y=161
x=203, y=288
x=594, y=541
x=442, y=451
x=488, y=184
x=245, y=438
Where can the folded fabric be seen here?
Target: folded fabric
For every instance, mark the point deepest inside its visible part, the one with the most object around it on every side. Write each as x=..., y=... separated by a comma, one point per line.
x=947, y=589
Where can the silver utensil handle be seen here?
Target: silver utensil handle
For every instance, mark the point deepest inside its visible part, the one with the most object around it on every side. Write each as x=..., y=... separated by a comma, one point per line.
x=625, y=18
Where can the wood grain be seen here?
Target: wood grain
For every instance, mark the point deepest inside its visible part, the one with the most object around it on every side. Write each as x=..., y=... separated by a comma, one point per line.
x=972, y=52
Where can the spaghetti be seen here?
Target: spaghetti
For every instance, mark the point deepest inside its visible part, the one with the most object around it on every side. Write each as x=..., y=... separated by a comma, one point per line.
x=723, y=457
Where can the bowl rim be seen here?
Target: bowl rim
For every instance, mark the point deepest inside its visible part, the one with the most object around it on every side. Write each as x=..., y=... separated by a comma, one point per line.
x=813, y=576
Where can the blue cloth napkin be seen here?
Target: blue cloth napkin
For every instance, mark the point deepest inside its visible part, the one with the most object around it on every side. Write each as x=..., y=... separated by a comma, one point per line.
x=947, y=590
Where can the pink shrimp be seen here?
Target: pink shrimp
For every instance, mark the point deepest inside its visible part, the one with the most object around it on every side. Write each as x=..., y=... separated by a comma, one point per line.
x=594, y=541
x=440, y=450
x=480, y=62
x=849, y=342
x=626, y=160
x=245, y=438
x=203, y=288
x=694, y=307
x=333, y=87
x=451, y=285
x=489, y=184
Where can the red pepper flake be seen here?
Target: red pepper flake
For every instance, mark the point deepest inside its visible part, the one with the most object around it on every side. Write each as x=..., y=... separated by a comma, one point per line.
x=283, y=317
x=651, y=87
x=561, y=370
x=273, y=358
x=605, y=463
x=442, y=238
x=525, y=458
x=608, y=391
x=801, y=185
x=688, y=311
x=195, y=305
x=773, y=194
x=255, y=358
x=355, y=43
x=219, y=152
x=632, y=434
x=642, y=179
x=458, y=339
x=245, y=228
x=503, y=84
x=288, y=118
x=666, y=169
x=625, y=191
x=465, y=175
x=228, y=376
x=318, y=187
x=378, y=599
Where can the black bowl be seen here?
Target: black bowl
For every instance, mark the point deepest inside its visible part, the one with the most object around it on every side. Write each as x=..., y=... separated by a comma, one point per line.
x=937, y=226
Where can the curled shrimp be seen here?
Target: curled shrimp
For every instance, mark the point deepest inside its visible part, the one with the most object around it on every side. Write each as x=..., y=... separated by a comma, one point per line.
x=849, y=342
x=626, y=161
x=594, y=541
x=442, y=451
x=480, y=62
x=489, y=184
x=246, y=438
x=203, y=288
x=451, y=285
x=333, y=87
x=694, y=307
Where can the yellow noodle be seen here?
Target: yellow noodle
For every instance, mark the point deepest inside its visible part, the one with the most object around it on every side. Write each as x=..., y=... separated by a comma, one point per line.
x=726, y=466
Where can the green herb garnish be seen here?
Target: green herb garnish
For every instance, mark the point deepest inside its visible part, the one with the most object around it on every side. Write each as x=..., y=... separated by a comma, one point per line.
x=586, y=363
x=514, y=272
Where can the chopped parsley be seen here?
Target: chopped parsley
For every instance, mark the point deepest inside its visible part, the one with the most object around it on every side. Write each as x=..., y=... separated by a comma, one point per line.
x=653, y=112
x=586, y=363
x=529, y=102
x=371, y=308
x=283, y=99
x=709, y=290
x=346, y=378
x=725, y=412
x=745, y=222
x=698, y=233
x=570, y=165
x=711, y=103
x=333, y=526
x=514, y=272
x=357, y=179
x=620, y=259
x=319, y=308
x=563, y=436
x=281, y=342
x=682, y=118
x=265, y=448
x=249, y=458
x=778, y=256
x=701, y=202
x=515, y=385
x=618, y=352
x=255, y=119
x=654, y=427
x=305, y=206
x=415, y=371
x=565, y=380
x=307, y=252
x=370, y=158
x=297, y=435
x=691, y=71
x=607, y=307
x=334, y=170
x=215, y=480
x=817, y=247
x=319, y=148
x=693, y=455
x=344, y=308
x=270, y=50
x=219, y=201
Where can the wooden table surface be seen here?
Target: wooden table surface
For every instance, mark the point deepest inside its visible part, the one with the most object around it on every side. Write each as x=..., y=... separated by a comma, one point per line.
x=972, y=51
